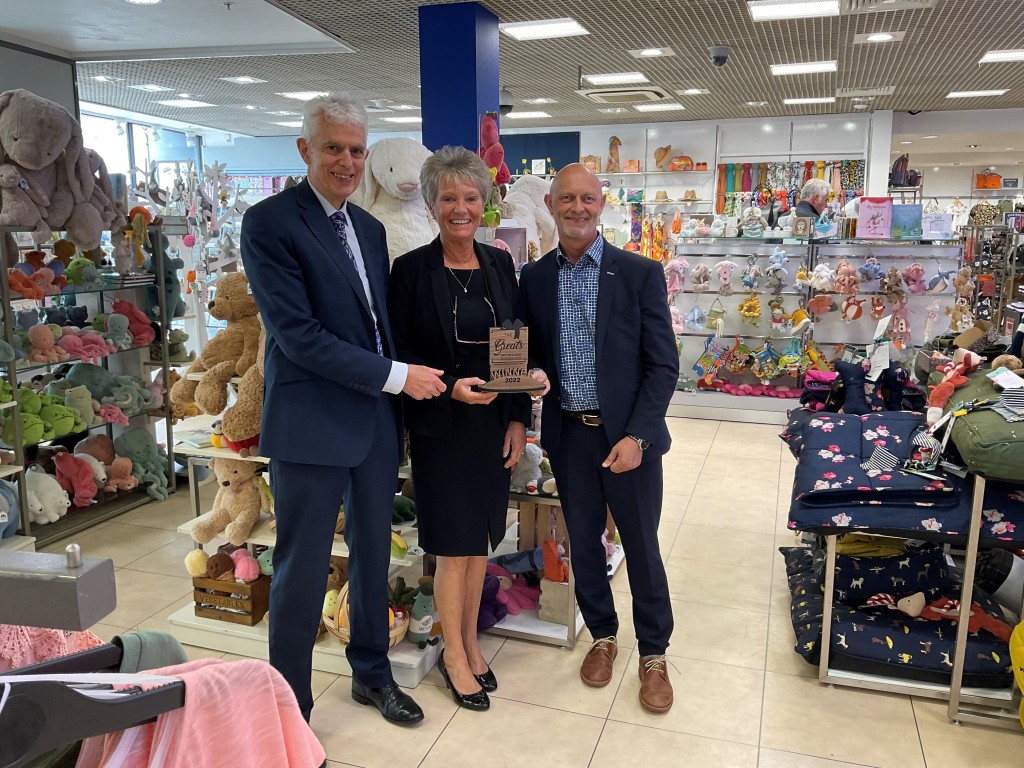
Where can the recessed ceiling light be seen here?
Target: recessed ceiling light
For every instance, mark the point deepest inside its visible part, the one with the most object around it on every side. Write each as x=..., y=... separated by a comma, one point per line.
x=251, y=106
x=811, y=100
x=974, y=94
x=973, y=146
x=150, y=88
x=1008, y=149
x=1016, y=54
x=143, y=2
x=862, y=99
x=405, y=106
x=613, y=110
x=651, y=53
x=865, y=38
x=756, y=103
x=542, y=30
x=542, y=100
x=243, y=80
x=860, y=106
x=694, y=92
x=526, y=115
x=957, y=163
x=185, y=103
x=106, y=79
x=930, y=136
x=614, y=78
x=406, y=119
x=291, y=124
x=781, y=10
x=283, y=113
x=376, y=109
x=804, y=68
x=906, y=142
x=184, y=95
x=302, y=95
x=661, y=106
x=935, y=168
x=880, y=37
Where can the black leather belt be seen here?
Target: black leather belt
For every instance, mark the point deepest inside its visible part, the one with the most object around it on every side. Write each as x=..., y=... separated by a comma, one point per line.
x=590, y=418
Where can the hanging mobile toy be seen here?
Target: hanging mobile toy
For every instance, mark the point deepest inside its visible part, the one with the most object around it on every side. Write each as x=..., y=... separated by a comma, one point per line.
x=750, y=310
x=751, y=274
x=725, y=270
x=929, y=323
x=877, y=307
x=700, y=278
x=852, y=308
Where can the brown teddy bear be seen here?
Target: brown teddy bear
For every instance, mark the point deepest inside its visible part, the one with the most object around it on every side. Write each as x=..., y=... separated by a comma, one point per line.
x=241, y=422
x=230, y=353
x=240, y=497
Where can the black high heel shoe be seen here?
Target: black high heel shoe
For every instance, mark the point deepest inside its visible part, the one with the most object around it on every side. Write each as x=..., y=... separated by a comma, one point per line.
x=487, y=681
x=478, y=702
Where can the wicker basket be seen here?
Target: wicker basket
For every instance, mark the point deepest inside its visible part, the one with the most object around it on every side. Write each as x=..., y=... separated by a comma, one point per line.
x=331, y=622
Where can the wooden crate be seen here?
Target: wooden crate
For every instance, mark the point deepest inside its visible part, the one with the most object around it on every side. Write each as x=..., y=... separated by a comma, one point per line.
x=230, y=601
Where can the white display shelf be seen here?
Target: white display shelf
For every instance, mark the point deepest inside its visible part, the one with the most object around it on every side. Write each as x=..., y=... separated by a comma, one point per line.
x=8, y=404
x=263, y=536
x=708, y=404
x=409, y=665
x=7, y=470
x=18, y=543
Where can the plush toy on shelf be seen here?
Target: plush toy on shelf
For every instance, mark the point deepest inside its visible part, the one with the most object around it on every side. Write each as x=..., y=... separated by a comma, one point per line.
x=528, y=469
x=52, y=500
x=700, y=278
x=76, y=477
x=117, y=332
x=675, y=276
x=236, y=509
x=718, y=225
x=753, y=223
x=149, y=463
x=139, y=325
x=422, y=630
x=241, y=422
x=524, y=202
x=119, y=476
x=175, y=305
x=960, y=316
x=913, y=276
x=963, y=283
x=964, y=363
x=877, y=307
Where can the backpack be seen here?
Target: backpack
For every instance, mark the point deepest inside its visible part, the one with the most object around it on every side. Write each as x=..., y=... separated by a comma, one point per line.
x=913, y=178
x=899, y=176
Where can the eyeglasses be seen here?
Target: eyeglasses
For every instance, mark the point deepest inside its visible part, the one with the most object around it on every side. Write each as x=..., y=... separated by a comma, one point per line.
x=455, y=321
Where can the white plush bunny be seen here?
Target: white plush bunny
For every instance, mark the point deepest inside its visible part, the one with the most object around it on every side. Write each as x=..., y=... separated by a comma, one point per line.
x=390, y=191
x=524, y=202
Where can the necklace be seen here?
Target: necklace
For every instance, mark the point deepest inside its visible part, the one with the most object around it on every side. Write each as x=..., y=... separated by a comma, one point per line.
x=463, y=286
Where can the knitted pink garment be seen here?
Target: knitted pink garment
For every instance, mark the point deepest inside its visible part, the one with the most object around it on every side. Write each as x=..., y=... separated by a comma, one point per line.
x=21, y=646
x=235, y=713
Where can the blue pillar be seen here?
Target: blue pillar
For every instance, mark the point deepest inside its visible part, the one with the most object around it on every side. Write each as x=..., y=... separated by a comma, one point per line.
x=458, y=72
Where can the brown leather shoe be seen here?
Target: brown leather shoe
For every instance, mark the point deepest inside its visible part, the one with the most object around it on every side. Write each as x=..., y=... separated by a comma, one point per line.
x=596, y=670
x=655, y=687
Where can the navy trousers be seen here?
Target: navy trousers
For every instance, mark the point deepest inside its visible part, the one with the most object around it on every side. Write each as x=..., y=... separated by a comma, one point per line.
x=307, y=498
x=587, y=490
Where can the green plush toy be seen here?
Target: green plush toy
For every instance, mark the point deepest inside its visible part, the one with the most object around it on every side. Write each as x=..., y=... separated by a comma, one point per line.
x=403, y=510
x=99, y=323
x=82, y=273
x=32, y=430
x=6, y=391
x=61, y=419
x=81, y=401
x=29, y=401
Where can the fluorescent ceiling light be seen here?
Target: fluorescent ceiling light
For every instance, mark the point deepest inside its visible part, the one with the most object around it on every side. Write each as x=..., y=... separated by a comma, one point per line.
x=613, y=110
x=974, y=94
x=251, y=106
x=804, y=68
x=542, y=100
x=185, y=103
x=880, y=37
x=906, y=142
x=930, y=136
x=143, y=2
x=782, y=10
x=405, y=119
x=813, y=100
x=651, y=52
x=756, y=103
x=106, y=79
x=376, y=109
x=283, y=113
x=405, y=106
x=150, y=88
x=302, y=95
x=665, y=106
x=243, y=80
x=291, y=124
x=615, y=78
x=526, y=115
x=542, y=30
x=694, y=92
x=1015, y=54
x=860, y=106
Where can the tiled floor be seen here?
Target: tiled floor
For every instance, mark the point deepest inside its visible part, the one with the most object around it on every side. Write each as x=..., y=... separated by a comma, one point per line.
x=743, y=697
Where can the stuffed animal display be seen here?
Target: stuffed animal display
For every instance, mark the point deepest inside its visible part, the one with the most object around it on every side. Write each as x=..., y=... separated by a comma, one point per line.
x=236, y=510
x=491, y=151
x=149, y=462
x=524, y=202
x=241, y=422
x=390, y=191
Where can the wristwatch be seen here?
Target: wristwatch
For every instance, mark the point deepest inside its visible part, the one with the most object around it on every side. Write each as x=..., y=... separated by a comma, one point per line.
x=641, y=443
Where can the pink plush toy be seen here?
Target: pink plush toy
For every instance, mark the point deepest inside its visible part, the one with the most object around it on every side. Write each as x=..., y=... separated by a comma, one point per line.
x=675, y=275
x=138, y=324
x=913, y=276
x=111, y=414
x=725, y=270
x=246, y=567
x=43, y=279
x=75, y=476
x=44, y=346
x=491, y=151
x=514, y=594
x=846, y=278
x=678, y=323
x=88, y=347
x=119, y=476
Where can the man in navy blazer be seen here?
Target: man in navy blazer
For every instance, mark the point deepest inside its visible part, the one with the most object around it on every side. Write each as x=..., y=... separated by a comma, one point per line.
x=332, y=422
x=601, y=334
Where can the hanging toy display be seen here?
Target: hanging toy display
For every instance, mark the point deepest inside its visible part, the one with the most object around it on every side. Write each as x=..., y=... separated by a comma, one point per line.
x=846, y=281
x=700, y=277
x=750, y=310
x=764, y=363
x=913, y=276
x=751, y=274
x=803, y=277
x=852, y=308
x=871, y=270
x=892, y=286
x=901, y=334
x=800, y=321
x=822, y=277
x=931, y=318
x=960, y=316
x=711, y=359
x=675, y=276
x=738, y=358
x=941, y=281
x=696, y=318
x=776, y=273
x=790, y=359
x=963, y=283
x=820, y=305
x=777, y=315
x=715, y=321
x=725, y=270
x=877, y=307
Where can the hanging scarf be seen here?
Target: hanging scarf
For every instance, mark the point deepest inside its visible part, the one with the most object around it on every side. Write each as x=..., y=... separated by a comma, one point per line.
x=730, y=178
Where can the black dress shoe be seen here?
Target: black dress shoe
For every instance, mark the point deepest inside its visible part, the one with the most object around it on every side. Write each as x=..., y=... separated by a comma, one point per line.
x=397, y=706
x=478, y=702
x=487, y=681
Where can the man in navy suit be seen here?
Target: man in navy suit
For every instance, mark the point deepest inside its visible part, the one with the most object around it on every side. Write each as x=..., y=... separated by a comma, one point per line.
x=601, y=335
x=332, y=422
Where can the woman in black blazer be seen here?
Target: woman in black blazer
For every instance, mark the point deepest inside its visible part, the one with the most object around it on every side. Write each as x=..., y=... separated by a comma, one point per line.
x=443, y=300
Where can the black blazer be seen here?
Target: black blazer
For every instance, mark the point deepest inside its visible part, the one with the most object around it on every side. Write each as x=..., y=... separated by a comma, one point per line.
x=635, y=349
x=420, y=307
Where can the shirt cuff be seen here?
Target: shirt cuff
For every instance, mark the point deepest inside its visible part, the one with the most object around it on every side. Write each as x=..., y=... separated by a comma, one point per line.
x=397, y=377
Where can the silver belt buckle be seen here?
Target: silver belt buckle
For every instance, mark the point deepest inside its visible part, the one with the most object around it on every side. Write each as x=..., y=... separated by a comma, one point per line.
x=590, y=420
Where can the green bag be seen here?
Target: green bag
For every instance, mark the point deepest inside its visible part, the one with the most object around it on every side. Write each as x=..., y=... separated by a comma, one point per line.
x=988, y=444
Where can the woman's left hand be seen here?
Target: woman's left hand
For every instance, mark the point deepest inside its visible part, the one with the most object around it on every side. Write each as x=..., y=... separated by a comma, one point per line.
x=515, y=442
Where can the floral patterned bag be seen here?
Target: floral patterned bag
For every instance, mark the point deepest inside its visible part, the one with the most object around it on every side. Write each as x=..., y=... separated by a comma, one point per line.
x=712, y=357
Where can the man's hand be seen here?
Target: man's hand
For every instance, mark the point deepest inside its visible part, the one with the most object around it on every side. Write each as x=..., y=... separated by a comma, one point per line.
x=538, y=375
x=625, y=455
x=423, y=383
x=463, y=391
x=515, y=442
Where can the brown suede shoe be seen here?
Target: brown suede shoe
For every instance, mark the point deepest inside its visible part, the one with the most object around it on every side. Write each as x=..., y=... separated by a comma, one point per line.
x=655, y=687
x=596, y=669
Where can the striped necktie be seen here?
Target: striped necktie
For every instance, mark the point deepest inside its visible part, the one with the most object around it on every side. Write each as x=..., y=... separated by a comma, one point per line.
x=338, y=220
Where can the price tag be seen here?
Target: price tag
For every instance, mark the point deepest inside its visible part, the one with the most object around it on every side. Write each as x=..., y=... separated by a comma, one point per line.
x=879, y=362
x=19, y=304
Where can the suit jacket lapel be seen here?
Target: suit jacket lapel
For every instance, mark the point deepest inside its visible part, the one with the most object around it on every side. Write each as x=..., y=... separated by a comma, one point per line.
x=320, y=225
x=503, y=310
x=607, y=283
x=550, y=284
x=439, y=289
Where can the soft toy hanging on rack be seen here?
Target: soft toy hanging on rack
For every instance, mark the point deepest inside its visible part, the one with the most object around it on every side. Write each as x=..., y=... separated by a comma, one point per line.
x=852, y=308
x=764, y=363
x=941, y=281
x=675, y=276
x=725, y=271
x=820, y=305
x=700, y=278
x=901, y=334
x=877, y=307
x=715, y=321
x=778, y=317
x=963, y=283
x=823, y=277
x=892, y=286
x=960, y=316
x=750, y=310
x=776, y=273
x=913, y=276
x=696, y=317
x=803, y=277
x=846, y=278
x=751, y=273
x=871, y=270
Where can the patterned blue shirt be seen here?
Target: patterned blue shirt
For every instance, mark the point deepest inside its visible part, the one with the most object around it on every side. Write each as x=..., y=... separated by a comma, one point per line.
x=577, y=316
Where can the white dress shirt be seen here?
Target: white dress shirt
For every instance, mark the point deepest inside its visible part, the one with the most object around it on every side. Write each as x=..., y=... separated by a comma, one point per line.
x=399, y=371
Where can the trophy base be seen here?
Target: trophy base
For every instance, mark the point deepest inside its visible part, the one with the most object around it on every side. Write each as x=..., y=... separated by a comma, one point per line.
x=528, y=386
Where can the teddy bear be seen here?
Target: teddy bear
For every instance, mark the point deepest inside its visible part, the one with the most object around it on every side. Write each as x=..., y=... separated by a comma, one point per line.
x=913, y=276
x=176, y=350
x=53, y=500
x=75, y=476
x=236, y=509
x=524, y=202
x=527, y=471
x=119, y=476
x=846, y=278
x=241, y=422
x=230, y=353
x=390, y=190
x=892, y=286
x=491, y=151
x=963, y=283
x=700, y=278
x=20, y=204
x=149, y=463
x=116, y=332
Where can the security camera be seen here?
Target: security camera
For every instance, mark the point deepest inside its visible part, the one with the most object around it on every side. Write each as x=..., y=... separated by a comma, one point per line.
x=505, y=101
x=719, y=54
